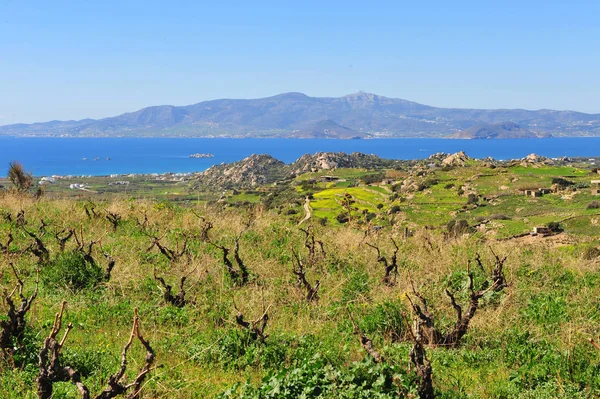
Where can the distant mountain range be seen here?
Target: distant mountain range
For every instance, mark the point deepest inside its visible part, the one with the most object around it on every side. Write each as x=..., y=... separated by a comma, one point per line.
x=295, y=115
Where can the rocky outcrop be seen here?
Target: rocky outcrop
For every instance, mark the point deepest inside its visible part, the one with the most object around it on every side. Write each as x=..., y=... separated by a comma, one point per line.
x=333, y=160
x=456, y=159
x=264, y=169
x=438, y=156
x=251, y=171
x=533, y=160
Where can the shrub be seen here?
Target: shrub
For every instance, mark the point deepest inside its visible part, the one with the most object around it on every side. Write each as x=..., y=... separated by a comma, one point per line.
x=590, y=253
x=342, y=217
x=593, y=205
x=457, y=228
x=394, y=209
x=555, y=227
x=71, y=270
x=561, y=182
x=373, y=178
x=18, y=177
x=427, y=184
x=472, y=198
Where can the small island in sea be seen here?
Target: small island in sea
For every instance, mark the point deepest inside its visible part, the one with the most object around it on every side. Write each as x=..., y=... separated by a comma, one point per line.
x=199, y=155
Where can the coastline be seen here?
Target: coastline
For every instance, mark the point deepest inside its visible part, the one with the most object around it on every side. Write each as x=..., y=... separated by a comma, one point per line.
x=63, y=156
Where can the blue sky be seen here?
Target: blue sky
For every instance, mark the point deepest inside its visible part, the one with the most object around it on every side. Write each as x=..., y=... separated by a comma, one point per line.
x=77, y=59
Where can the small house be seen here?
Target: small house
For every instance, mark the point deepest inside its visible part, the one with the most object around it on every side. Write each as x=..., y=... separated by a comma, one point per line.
x=533, y=193
x=45, y=180
x=595, y=184
x=77, y=186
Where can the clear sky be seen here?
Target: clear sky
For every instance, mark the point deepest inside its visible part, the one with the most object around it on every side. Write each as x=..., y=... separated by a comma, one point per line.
x=77, y=59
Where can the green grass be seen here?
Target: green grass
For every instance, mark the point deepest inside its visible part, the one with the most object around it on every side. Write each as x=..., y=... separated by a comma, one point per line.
x=549, y=171
x=529, y=341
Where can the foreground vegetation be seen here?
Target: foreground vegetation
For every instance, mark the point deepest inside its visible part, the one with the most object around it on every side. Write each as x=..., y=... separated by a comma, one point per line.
x=235, y=300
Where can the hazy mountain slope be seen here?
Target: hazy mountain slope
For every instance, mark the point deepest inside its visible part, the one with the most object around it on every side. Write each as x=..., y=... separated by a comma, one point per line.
x=508, y=130
x=298, y=115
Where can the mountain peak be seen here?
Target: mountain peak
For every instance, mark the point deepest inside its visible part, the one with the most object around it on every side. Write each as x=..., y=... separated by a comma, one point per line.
x=361, y=95
x=293, y=95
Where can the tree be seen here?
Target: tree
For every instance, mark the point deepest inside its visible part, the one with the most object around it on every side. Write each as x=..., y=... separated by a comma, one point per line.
x=18, y=177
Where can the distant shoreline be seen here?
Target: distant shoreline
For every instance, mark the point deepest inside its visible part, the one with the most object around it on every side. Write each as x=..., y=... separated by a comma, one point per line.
x=293, y=138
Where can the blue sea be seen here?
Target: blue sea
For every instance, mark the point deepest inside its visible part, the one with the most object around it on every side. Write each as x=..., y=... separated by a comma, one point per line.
x=88, y=156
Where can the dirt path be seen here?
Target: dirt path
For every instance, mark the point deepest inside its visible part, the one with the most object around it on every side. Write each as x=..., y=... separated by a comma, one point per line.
x=308, y=211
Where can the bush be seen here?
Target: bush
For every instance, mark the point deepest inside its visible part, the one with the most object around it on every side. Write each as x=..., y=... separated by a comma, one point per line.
x=590, y=253
x=593, y=205
x=71, y=270
x=427, y=184
x=394, y=209
x=457, y=228
x=554, y=227
x=562, y=182
x=373, y=178
x=18, y=177
x=342, y=217
x=472, y=199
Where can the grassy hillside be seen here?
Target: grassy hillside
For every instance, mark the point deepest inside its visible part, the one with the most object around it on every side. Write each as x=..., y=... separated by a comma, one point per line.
x=527, y=340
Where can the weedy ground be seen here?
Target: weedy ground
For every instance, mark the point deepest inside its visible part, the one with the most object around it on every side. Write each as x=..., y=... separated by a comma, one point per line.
x=528, y=341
